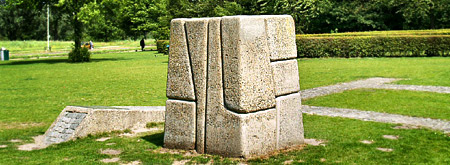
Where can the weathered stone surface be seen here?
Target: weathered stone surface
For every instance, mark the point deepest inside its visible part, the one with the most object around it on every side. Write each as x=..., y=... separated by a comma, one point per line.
x=214, y=88
x=234, y=81
x=76, y=121
x=259, y=132
x=197, y=33
x=179, y=129
x=222, y=135
x=281, y=37
x=241, y=135
x=180, y=83
x=290, y=121
x=229, y=133
x=248, y=83
x=285, y=75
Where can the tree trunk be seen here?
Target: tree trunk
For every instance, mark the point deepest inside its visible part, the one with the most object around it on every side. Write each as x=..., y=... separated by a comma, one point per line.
x=78, y=31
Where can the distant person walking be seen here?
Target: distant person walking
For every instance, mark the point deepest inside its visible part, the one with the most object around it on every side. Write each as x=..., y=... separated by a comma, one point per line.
x=91, y=44
x=142, y=44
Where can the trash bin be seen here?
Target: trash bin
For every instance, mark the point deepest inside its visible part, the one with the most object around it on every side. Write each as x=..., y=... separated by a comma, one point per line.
x=5, y=55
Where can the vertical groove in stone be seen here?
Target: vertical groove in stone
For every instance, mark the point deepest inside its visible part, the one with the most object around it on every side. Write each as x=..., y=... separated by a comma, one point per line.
x=223, y=127
x=207, y=84
x=278, y=128
x=180, y=83
x=197, y=36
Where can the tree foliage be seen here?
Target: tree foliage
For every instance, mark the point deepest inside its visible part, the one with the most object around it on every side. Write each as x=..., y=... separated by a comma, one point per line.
x=105, y=20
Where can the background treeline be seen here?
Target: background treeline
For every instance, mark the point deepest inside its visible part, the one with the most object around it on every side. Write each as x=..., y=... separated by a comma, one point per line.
x=106, y=20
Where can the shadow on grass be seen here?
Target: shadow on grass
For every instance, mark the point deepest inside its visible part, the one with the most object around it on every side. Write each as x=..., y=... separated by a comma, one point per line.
x=55, y=61
x=157, y=139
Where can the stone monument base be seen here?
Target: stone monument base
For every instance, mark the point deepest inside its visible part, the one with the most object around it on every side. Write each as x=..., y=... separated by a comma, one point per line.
x=79, y=121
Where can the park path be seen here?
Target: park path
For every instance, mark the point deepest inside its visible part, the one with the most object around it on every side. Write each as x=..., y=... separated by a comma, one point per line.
x=376, y=83
x=435, y=124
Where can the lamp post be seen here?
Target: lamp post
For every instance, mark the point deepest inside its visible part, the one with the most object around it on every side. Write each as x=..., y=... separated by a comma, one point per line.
x=48, y=27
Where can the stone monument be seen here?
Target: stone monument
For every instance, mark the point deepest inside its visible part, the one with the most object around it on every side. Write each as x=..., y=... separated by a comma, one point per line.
x=233, y=86
x=80, y=121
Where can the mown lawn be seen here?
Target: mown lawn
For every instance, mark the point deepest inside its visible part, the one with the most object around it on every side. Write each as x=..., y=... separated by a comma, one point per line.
x=33, y=92
x=410, y=103
x=26, y=49
x=419, y=71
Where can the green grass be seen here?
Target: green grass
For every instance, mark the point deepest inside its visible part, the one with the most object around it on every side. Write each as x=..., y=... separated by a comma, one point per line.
x=19, y=49
x=420, y=71
x=37, y=90
x=343, y=146
x=33, y=93
x=410, y=103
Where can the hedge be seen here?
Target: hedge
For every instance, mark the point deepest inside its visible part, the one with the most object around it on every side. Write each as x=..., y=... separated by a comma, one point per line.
x=382, y=33
x=400, y=43
x=161, y=46
x=373, y=46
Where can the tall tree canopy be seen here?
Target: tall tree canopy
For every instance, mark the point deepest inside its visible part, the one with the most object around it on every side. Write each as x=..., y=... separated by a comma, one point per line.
x=105, y=20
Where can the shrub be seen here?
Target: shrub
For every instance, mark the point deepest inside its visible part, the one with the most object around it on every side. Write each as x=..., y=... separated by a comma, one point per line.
x=79, y=55
x=373, y=46
x=161, y=46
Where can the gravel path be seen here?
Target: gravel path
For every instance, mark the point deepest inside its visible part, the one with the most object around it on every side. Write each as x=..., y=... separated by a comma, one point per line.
x=437, y=89
x=376, y=83
x=435, y=124
x=326, y=90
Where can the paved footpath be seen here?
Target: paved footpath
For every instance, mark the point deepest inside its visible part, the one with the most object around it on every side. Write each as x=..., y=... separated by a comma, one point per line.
x=376, y=83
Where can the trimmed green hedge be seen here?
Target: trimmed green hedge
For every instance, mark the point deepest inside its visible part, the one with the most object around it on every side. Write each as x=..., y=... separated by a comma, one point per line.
x=382, y=33
x=161, y=46
x=373, y=46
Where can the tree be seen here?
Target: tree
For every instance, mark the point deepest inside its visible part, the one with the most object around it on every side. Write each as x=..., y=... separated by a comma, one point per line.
x=143, y=16
x=72, y=7
x=21, y=20
x=101, y=19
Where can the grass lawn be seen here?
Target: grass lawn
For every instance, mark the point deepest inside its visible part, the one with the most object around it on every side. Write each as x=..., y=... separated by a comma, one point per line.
x=410, y=103
x=420, y=71
x=37, y=90
x=24, y=49
x=33, y=93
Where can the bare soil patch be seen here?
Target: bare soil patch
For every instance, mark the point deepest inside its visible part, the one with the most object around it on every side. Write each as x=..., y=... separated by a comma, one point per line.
x=38, y=144
x=391, y=137
x=180, y=162
x=112, y=160
x=406, y=127
x=15, y=141
x=136, y=162
x=103, y=139
x=367, y=141
x=110, y=151
x=385, y=149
